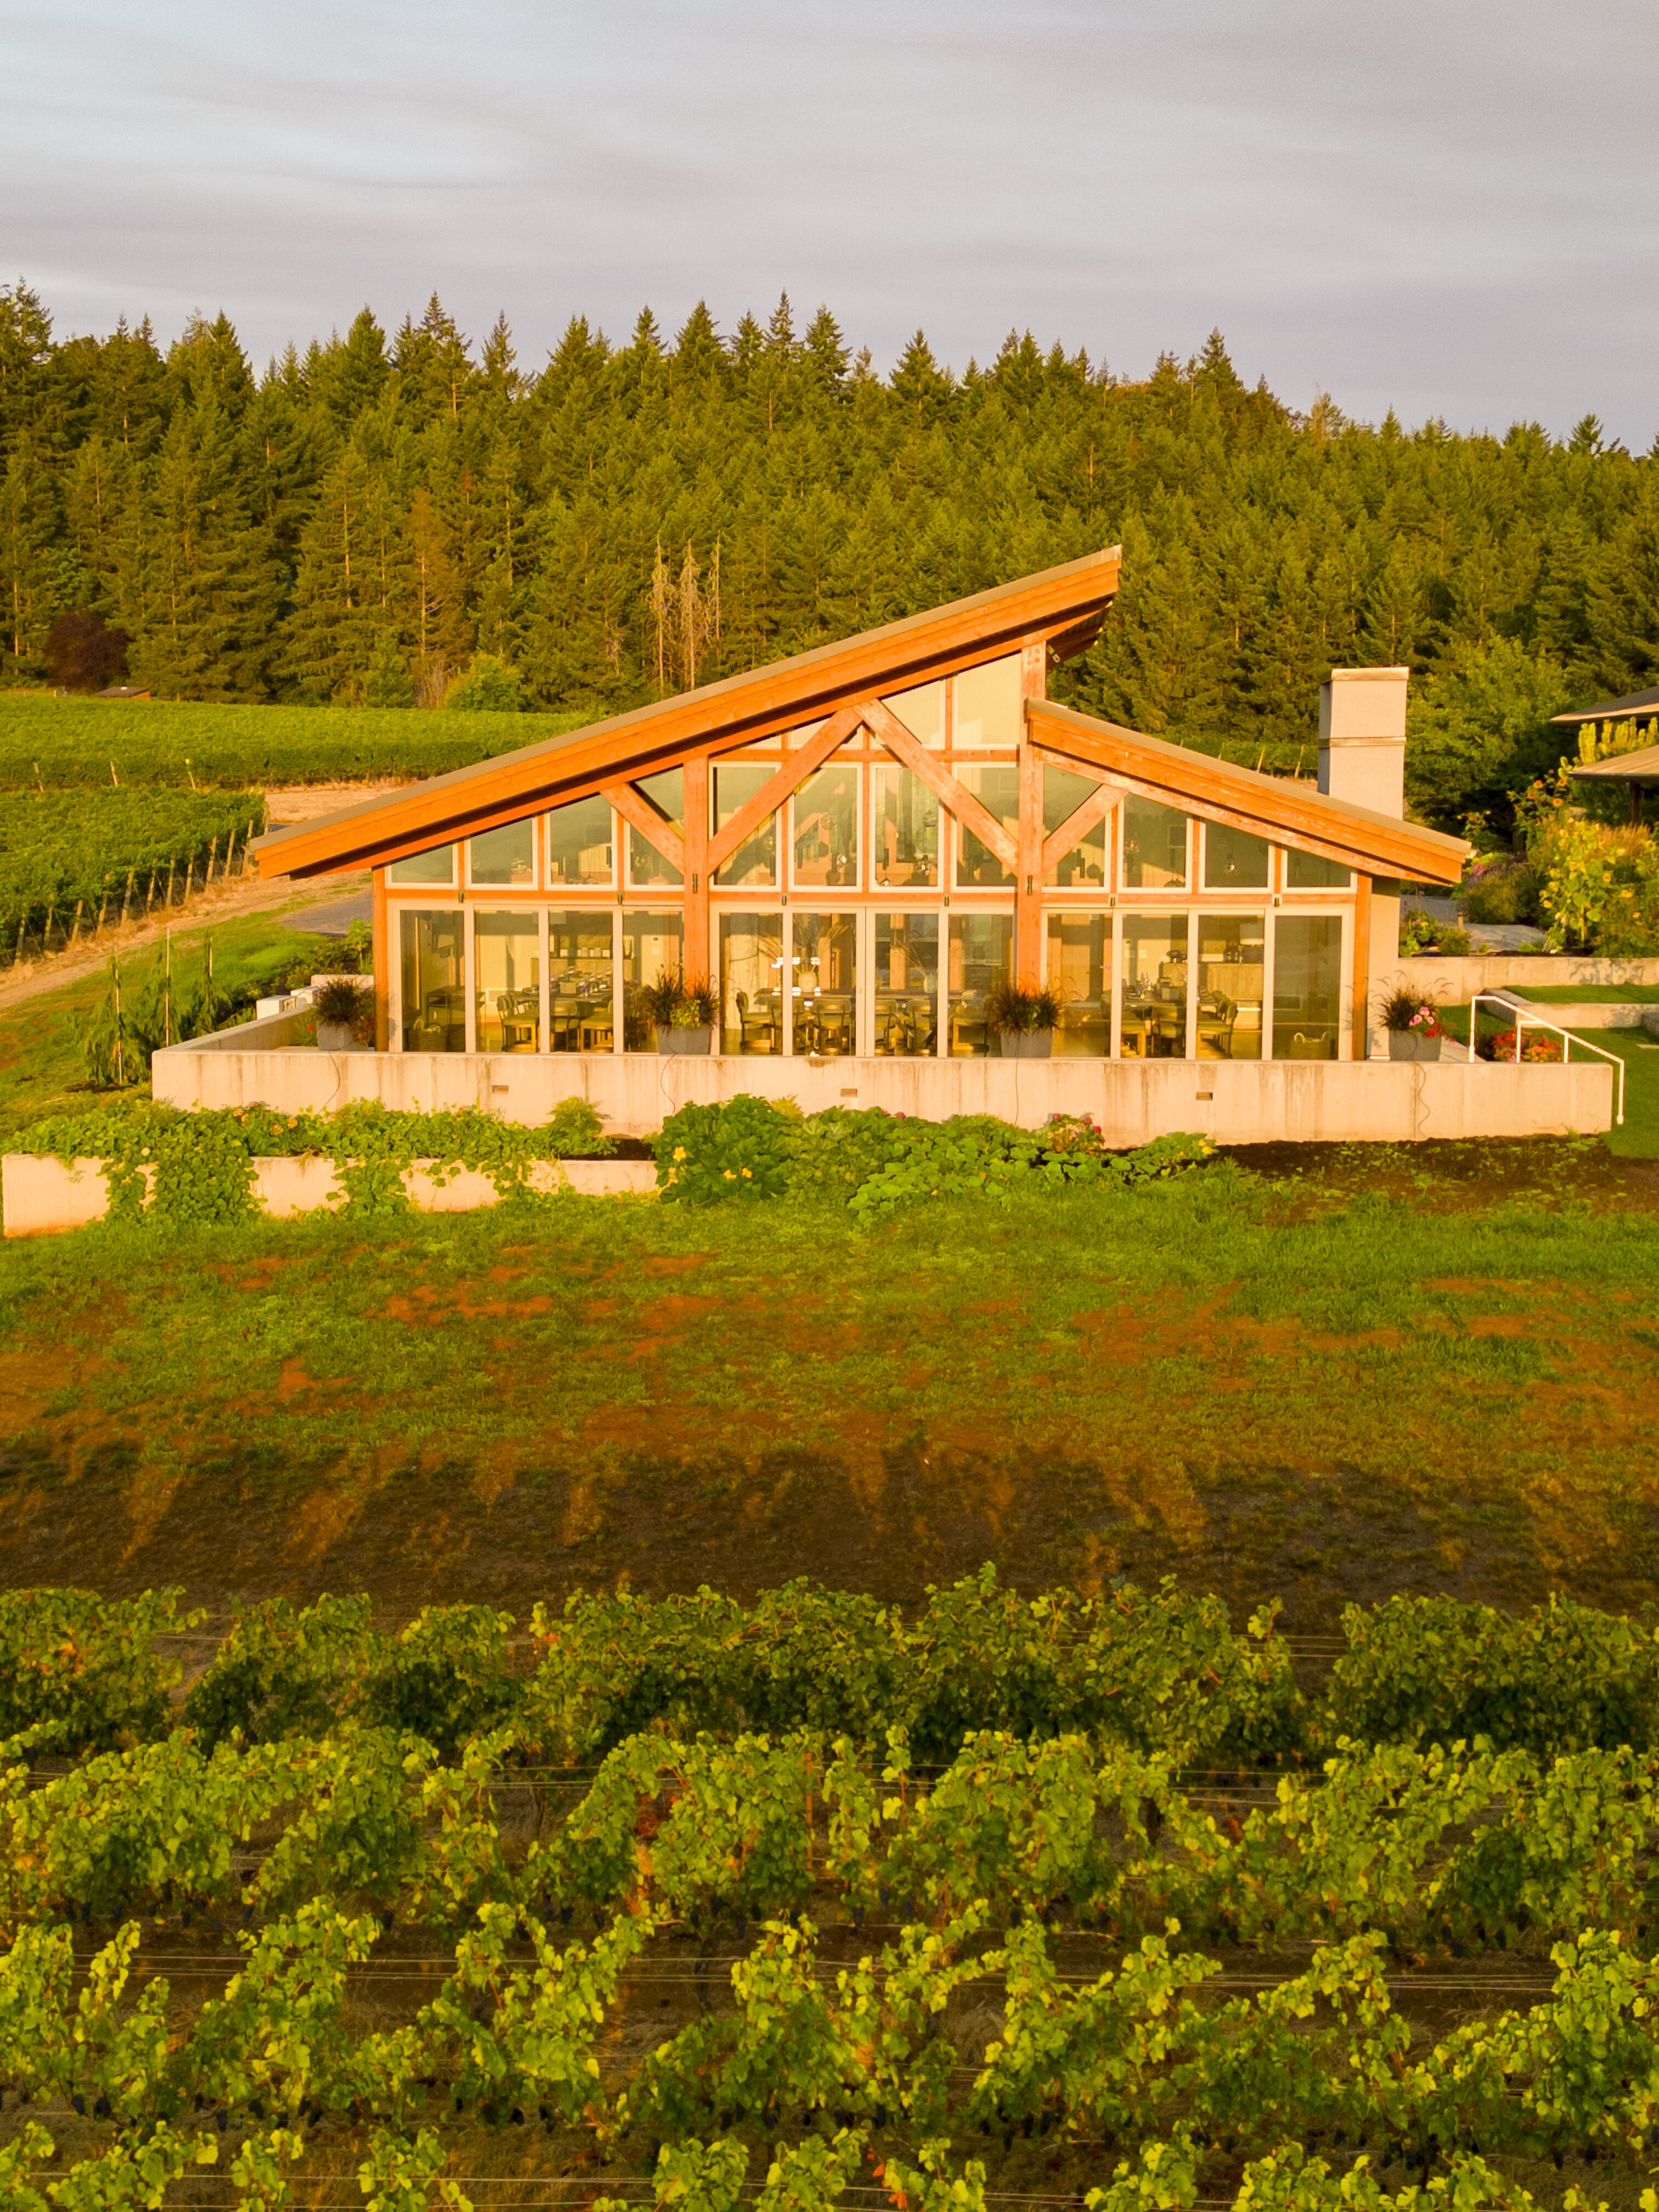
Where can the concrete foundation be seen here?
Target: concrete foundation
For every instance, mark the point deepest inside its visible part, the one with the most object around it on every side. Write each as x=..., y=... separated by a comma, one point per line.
x=1455, y=981
x=41, y=1196
x=1238, y=1103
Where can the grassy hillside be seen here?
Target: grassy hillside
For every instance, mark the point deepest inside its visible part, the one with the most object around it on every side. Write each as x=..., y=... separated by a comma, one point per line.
x=66, y=743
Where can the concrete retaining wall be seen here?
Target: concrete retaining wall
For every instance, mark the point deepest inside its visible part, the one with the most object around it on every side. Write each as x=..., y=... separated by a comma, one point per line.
x=1134, y=1101
x=42, y=1195
x=1455, y=981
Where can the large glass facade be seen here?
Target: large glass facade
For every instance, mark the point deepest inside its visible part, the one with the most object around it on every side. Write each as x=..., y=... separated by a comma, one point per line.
x=997, y=789
x=1154, y=1012
x=824, y=982
x=664, y=795
x=988, y=705
x=1307, y=871
x=1086, y=863
x=732, y=783
x=1232, y=969
x=1079, y=974
x=1233, y=860
x=578, y=843
x=432, y=977
x=922, y=712
x=752, y=985
x=579, y=1017
x=980, y=957
x=507, y=981
x=905, y=816
x=504, y=857
x=907, y=985
x=426, y=869
x=653, y=946
x=1307, y=986
x=824, y=816
x=1154, y=845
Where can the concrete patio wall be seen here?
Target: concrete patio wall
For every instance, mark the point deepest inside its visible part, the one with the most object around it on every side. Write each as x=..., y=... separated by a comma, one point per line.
x=1133, y=1101
x=39, y=1196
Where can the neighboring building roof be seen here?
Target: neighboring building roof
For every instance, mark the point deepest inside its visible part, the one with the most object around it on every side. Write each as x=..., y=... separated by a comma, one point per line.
x=1066, y=604
x=1614, y=710
x=1627, y=767
x=1268, y=805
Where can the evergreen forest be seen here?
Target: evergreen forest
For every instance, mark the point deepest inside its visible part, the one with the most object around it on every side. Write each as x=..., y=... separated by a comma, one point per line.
x=416, y=519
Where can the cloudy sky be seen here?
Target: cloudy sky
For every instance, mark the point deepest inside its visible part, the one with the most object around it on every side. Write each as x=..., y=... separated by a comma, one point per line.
x=1447, y=206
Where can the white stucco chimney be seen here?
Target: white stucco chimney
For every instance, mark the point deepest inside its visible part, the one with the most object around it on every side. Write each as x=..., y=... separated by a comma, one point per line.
x=1361, y=737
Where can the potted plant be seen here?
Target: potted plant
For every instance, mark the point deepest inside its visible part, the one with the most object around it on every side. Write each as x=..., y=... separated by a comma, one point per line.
x=683, y=1010
x=1413, y=1024
x=345, y=1016
x=1023, y=1022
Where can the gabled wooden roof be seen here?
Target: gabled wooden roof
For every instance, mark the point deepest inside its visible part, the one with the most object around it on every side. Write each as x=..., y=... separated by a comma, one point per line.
x=1269, y=806
x=1066, y=605
x=1635, y=706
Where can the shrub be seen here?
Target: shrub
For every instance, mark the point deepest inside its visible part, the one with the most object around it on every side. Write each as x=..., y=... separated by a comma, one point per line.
x=1502, y=892
x=489, y=686
x=1535, y=1046
x=711, y=1155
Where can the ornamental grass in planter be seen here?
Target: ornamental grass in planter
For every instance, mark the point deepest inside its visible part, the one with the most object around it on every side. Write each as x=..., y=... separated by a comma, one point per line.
x=1413, y=1024
x=683, y=1010
x=345, y=1016
x=1023, y=1022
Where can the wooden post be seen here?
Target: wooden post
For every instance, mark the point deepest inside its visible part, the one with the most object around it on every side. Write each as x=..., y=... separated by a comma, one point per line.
x=75, y=930
x=172, y=863
x=126, y=898
x=382, y=956
x=213, y=854
x=1361, y=964
x=45, y=934
x=1028, y=879
x=696, y=867
x=97, y=927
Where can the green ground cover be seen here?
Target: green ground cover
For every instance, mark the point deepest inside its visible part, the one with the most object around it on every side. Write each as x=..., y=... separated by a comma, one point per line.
x=42, y=1068
x=1299, y=1383
x=67, y=743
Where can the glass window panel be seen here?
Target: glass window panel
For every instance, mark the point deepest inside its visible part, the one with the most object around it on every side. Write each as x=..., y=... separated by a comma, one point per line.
x=1307, y=986
x=506, y=856
x=756, y=861
x=981, y=957
x=823, y=969
x=1063, y=792
x=433, y=982
x=437, y=866
x=1231, y=974
x=653, y=946
x=665, y=795
x=907, y=985
x=998, y=791
x=752, y=985
x=922, y=712
x=1233, y=860
x=1080, y=975
x=579, y=847
x=824, y=814
x=1154, y=1017
x=1306, y=872
x=905, y=815
x=988, y=705
x=579, y=1017
x=1154, y=845
x=794, y=740
x=507, y=981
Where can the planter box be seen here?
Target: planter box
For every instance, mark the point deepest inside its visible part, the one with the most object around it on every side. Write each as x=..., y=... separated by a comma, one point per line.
x=335, y=1036
x=1026, y=1044
x=693, y=1041
x=1406, y=1044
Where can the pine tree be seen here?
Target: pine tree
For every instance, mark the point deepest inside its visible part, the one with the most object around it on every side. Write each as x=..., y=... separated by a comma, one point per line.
x=32, y=583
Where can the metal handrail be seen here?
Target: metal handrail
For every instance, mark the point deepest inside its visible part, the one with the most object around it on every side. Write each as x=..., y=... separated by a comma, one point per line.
x=1569, y=1037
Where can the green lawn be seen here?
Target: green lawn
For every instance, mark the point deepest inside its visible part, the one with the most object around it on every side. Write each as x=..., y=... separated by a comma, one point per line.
x=1306, y=1387
x=42, y=1070
x=1638, y=1138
